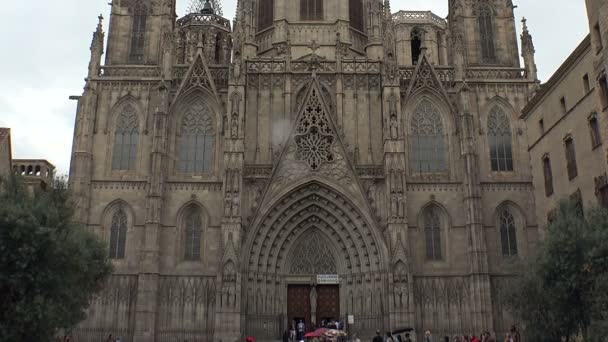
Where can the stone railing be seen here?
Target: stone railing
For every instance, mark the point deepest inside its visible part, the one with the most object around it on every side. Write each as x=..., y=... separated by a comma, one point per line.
x=409, y=17
x=130, y=71
x=204, y=19
x=445, y=74
x=492, y=73
x=264, y=40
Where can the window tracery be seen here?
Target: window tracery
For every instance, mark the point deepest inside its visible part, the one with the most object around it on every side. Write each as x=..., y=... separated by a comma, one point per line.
x=312, y=256
x=508, y=233
x=311, y=9
x=486, y=33
x=125, y=139
x=314, y=137
x=197, y=141
x=499, y=138
x=193, y=230
x=118, y=234
x=138, y=32
x=432, y=232
x=427, y=139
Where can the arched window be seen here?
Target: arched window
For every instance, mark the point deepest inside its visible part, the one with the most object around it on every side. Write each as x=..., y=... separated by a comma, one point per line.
x=416, y=45
x=311, y=9
x=486, y=33
x=427, y=140
x=138, y=32
x=508, y=235
x=118, y=234
x=125, y=139
x=432, y=232
x=265, y=14
x=197, y=142
x=499, y=138
x=355, y=11
x=193, y=230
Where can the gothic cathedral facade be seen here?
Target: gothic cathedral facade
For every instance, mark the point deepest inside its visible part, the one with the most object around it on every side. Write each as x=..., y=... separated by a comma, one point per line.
x=312, y=160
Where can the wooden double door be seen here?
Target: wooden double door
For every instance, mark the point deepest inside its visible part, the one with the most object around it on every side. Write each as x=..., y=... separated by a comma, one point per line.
x=299, y=304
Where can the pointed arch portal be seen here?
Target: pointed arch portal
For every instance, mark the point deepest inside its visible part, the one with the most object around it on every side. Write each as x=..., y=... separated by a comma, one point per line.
x=310, y=231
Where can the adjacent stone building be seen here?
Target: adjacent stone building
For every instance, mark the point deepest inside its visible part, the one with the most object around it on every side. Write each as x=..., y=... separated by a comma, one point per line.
x=313, y=160
x=6, y=151
x=565, y=135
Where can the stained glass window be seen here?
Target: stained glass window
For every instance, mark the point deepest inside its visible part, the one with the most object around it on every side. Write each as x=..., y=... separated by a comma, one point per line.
x=138, y=32
x=499, y=138
x=193, y=230
x=432, y=232
x=311, y=9
x=118, y=234
x=486, y=33
x=427, y=140
x=508, y=233
x=125, y=139
x=265, y=14
x=197, y=141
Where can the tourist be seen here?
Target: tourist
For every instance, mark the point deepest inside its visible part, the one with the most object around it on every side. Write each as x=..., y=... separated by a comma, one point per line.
x=292, y=334
x=118, y=339
x=286, y=336
x=389, y=337
x=399, y=339
x=508, y=338
x=110, y=338
x=515, y=334
x=378, y=337
x=427, y=336
x=407, y=337
x=446, y=338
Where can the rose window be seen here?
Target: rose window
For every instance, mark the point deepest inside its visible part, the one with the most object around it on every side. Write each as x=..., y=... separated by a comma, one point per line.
x=313, y=134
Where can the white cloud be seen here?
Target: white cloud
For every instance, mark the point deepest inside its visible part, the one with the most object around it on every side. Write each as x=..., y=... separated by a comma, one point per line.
x=45, y=60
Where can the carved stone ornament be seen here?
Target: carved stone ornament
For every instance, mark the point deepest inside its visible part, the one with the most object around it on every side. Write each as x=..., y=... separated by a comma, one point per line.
x=314, y=137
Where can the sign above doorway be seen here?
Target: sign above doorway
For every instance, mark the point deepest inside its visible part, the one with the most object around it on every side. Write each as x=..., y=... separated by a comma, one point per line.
x=328, y=279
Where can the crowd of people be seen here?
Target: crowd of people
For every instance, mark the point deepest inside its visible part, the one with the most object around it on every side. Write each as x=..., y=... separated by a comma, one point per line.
x=512, y=336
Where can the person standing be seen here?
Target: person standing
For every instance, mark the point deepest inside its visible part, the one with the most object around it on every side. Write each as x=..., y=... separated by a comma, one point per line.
x=515, y=334
x=407, y=337
x=110, y=338
x=428, y=337
x=286, y=336
x=378, y=337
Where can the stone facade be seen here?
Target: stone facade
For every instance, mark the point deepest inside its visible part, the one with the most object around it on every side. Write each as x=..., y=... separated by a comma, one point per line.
x=227, y=164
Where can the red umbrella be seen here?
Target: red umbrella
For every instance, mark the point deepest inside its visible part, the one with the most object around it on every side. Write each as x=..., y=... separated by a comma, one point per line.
x=312, y=334
x=321, y=331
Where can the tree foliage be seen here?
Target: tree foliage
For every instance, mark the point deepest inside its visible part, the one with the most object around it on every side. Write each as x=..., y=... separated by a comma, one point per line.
x=562, y=292
x=49, y=267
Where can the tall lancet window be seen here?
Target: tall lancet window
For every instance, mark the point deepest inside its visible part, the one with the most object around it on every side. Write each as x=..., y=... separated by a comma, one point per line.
x=416, y=44
x=197, y=141
x=125, y=139
x=486, y=33
x=499, y=138
x=355, y=11
x=265, y=14
x=508, y=236
x=193, y=229
x=118, y=234
x=138, y=32
x=427, y=140
x=311, y=9
x=432, y=232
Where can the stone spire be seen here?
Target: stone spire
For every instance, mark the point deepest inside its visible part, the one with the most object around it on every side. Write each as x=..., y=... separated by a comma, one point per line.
x=96, y=49
x=527, y=52
x=205, y=6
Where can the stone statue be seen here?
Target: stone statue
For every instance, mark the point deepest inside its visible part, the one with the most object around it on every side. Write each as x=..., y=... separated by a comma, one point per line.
x=313, y=305
x=234, y=126
x=227, y=207
x=394, y=127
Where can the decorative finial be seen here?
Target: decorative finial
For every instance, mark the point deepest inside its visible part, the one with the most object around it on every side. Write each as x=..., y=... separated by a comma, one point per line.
x=524, y=21
x=314, y=47
x=100, y=23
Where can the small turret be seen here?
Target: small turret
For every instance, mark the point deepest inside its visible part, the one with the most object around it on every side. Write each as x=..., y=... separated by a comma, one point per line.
x=527, y=52
x=96, y=49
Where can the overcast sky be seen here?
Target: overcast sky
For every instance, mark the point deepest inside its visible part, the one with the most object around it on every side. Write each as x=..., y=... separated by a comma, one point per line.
x=45, y=53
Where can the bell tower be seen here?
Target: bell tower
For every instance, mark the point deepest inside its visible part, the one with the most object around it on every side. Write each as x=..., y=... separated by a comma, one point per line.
x=135, y=32
x=486, y=29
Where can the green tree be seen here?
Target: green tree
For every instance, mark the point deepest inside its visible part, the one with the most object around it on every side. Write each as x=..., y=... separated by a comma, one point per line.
x=49, y=267
x=560, y=294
